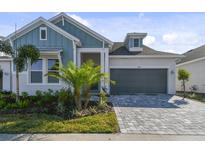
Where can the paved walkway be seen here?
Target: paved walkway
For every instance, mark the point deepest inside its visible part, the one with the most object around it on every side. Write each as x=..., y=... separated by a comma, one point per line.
x=159, y=114
x=98, y=137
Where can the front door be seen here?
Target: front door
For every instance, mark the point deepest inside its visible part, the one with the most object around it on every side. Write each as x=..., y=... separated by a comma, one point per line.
x=95, y=57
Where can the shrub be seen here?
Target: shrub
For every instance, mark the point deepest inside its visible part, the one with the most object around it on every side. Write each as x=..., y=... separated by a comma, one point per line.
x=194, y=89
x=102, y=104
x=3, y=104
x=22, y=104
x=66, y=106
x=24, y=95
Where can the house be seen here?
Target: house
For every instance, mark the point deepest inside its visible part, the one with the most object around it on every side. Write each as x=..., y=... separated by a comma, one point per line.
x=194, y=62
x=135, y=67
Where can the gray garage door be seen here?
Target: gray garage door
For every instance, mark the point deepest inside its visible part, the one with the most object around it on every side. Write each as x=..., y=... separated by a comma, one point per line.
x=131, y=81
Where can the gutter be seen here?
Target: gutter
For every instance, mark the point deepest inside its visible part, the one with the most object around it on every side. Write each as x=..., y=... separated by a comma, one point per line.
x=146, y=56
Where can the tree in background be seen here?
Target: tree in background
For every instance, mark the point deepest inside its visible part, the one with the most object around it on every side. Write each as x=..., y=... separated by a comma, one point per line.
x=183, y=76
x=21, y=56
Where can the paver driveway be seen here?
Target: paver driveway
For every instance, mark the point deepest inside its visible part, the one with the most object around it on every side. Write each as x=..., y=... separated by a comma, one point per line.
x=159, y=114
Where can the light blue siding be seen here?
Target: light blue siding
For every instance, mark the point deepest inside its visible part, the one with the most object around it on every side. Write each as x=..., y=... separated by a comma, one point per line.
x=54, y=41
x=86, y=39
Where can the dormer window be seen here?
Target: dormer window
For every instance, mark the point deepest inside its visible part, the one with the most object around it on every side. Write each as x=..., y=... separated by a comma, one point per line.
x=136, y=42
x=133, y=41
x=43, y=33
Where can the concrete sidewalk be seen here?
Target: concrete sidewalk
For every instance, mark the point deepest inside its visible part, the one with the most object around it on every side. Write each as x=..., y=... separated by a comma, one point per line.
x=99, y=137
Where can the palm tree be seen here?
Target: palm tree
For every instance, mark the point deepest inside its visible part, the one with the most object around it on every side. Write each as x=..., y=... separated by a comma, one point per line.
x=21, y=56
x=72, y=76
x=92, y=76
x=183, y=75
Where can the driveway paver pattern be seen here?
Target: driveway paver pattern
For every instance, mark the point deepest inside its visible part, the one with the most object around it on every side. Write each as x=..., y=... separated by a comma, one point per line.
x=159, y=114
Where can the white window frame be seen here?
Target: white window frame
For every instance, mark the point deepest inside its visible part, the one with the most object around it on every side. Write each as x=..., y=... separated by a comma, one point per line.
x=43, y=28
x=52, y=70
x=30, y=70
x=134, y=42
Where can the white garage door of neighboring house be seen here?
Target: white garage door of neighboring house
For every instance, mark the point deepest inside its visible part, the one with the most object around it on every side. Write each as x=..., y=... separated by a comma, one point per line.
x=132, y=81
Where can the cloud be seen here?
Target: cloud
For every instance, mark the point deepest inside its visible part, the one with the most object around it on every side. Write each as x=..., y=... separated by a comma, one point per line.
x=170, y=38
x=181, y=38
x=6, y=29
x=149, y=40
x=80, y=19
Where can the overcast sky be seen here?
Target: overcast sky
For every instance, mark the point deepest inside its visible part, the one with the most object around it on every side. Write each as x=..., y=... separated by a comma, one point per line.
x=171, y=32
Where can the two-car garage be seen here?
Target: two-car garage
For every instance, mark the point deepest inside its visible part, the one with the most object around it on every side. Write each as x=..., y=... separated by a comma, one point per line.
x=132, y=81
x=142, y=74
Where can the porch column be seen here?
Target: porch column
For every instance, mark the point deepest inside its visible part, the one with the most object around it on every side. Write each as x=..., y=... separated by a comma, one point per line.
x=78, y=58
x=102, y=63
x=107, y=69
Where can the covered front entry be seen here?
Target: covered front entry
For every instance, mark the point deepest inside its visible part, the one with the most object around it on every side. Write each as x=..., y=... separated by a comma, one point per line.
x=95, y=57
x=100, y=57
x=132, y=81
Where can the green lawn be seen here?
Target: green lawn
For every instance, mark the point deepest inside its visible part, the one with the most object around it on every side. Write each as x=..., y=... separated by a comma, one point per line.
x=198, y=97
x=41, y=123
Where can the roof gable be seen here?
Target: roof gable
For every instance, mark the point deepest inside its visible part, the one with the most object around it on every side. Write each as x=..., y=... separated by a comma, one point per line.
x=39, y=21
x=63, y=16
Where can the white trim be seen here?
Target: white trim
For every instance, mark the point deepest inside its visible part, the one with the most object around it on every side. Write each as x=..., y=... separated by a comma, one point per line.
x=47, y=70
x=139, y=67
x=92, y=50
x=135, y=49
x=63, y=21
x=81, y=26
x=74, y=53
x=50, y=53
x=40, y=31
x=5, y=59
x=191, y=61
x=145, y=56
x=29, y=69
x=40, y=21
x=135, y=35
x=107, y=70
x=102, y=64
x=104, y=61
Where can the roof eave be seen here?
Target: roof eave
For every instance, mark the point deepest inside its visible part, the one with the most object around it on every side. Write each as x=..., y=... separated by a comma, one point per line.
x=145, y=56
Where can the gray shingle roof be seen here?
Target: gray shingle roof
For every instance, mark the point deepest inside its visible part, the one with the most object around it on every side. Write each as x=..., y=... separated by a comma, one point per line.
x=193, y=54
x=119, y=49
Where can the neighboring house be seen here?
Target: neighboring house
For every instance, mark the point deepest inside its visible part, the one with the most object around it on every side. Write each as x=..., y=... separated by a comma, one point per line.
x=135, y=67
x=194, y=62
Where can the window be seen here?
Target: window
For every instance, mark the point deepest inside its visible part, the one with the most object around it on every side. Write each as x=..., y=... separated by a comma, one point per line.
x=37, y=72
x=43, y=33
x=136, y=42
x=52, y=63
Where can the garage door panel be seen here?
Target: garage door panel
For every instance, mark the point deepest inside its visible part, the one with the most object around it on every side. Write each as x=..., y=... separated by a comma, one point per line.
x=130, y=81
